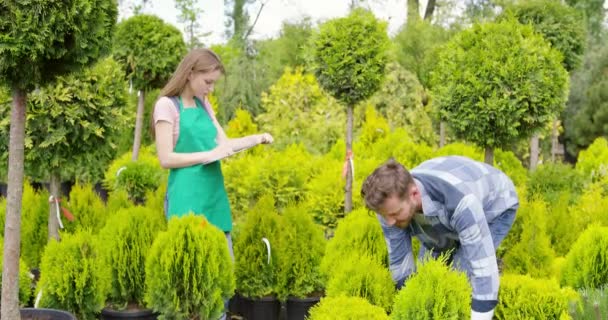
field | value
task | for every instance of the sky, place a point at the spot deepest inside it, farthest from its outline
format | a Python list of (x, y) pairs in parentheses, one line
[(273, 14)]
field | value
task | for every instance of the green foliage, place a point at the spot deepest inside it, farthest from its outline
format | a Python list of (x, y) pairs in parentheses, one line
[(397, 144), (135, 177), (88, 209), (533, 254), (362, 276), (551, 179), (346, 308), (373, 129), (358, 234), (118, 199), (255, 271), (241, 125), (155, 199), (296, 110), (593, 162), (189, 270), (25, 280), (594, 13), (299, 255), (324, 198), (46, 38), (593, 301), (149, 50), (523, 297), (558, 23), (400, 100), (34, 222), (72, 125), (350, 56), (434, 292), (460, 149), (497, 83), (72, 278), (586, 264), (126, 240), (508, 163)]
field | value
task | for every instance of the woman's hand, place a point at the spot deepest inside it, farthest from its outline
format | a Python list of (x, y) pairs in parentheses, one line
[(265, 138)]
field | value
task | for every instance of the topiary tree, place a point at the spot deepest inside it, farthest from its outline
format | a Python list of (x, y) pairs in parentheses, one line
[(71, 276), (150, 51), (497, 83), (346, 308), (349, 62), (434, 292), (189, 270), (587, 260), (40, 40)]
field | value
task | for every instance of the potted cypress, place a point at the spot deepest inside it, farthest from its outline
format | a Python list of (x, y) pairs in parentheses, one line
[(255, 262), (299, 279), (127, 238), (189, 271)]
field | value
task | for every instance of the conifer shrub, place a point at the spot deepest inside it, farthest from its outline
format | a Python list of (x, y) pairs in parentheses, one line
[(433, 292), (324, 198), (586, 264), (551, 179), (126, 240), (357, 234), (155, 199), (362, 276), (34, 224), (117, 200), (524, 297), (88, 209), (593, 304), (299, 255), (25, 278), (593, 162), (508, 163), (346, 308), (72, 276), (255, 270), (189, 271)]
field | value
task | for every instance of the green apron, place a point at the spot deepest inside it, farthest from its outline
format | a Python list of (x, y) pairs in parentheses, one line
[(199, 188)]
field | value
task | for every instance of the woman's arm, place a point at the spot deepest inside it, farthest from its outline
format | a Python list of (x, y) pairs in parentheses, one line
[(169, 159), (241, 143)]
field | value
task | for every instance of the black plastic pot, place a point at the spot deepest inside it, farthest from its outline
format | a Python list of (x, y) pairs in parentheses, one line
[(267, 308), (297, 309), (45, 314), (142, 314)]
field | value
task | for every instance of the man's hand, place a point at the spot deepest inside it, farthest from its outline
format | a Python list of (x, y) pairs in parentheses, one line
[(482, 315)]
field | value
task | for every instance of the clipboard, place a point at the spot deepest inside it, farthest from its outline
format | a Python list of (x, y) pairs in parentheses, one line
[(214, 159)]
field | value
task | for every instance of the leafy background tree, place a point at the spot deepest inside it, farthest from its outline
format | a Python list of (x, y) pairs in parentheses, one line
[(34, 50)]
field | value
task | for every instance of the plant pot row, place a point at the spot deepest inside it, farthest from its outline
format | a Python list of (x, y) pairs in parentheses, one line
[(269, 308)]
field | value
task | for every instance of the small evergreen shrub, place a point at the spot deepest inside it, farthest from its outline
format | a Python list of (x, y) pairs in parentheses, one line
[(34, 224), (72, 276), (299, 256), (362, 276), (433, 292), (241, 125), (508, 163), (256, 274), (155, 199), (88, 209), (189, 270), (551, 179), (357, 234), (593, 304), (346, 308), (25, 278), (593, 162), (586, 264), (117, 200), (523, 297), (324, 199), (126, 240)]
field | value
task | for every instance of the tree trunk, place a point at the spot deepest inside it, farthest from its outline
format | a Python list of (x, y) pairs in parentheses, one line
[(441, 134), (139, 122), (348, 188), (12, 226), (554, 141), (489, 156), (430, 8), (413, 11), (55, 192), (534, 152)]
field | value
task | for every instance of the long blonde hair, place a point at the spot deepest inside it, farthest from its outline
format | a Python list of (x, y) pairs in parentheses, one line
[(201, 60)]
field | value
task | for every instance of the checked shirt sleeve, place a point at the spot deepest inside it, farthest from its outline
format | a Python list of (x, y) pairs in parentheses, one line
[(477, 252), (401, 258)]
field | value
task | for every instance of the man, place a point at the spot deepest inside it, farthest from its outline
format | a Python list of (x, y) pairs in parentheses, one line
[(452, 204)]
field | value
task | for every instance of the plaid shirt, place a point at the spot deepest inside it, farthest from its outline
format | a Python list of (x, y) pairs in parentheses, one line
[(460, 197)]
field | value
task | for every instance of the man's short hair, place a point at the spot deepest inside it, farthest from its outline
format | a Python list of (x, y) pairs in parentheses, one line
[(388, 179)]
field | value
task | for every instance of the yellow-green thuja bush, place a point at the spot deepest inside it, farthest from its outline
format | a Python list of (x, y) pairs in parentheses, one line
[(524, 297), (34, 222), (324, 198), (433, 292), (359, 275), (189, 271), (586, 264), (593, 162), (551, 179), (125, 242), (117, 200), (346, 308), (88, 209), (25, 280), (72, 277), (256, 272), (533, 254), (299, 255), (357, 234)]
